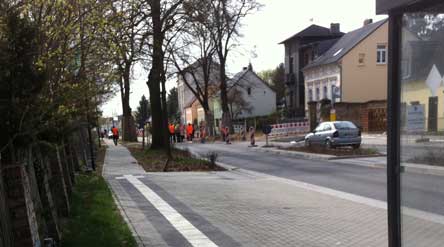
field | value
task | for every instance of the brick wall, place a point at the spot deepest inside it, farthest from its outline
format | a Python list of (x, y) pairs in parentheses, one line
[(370, 116)]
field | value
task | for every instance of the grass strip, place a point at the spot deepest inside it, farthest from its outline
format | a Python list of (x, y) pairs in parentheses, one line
[(95, 219)]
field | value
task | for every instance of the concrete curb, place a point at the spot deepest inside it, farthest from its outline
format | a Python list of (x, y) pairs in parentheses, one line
[(357, 156), (295, 153), (423, 169), (199, 156), (125, 217)]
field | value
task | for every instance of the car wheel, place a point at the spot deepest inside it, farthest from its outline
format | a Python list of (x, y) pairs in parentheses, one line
[(356, 146), (328, 144)]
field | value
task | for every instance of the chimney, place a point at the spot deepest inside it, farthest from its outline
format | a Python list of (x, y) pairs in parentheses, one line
[(368, 21), (335, 28)]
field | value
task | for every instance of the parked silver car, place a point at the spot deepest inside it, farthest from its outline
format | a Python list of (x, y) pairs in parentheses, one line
[(334, 134)]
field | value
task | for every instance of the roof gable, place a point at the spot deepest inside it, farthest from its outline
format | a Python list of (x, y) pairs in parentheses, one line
[(346, 44), (314, 31), (241, 75)]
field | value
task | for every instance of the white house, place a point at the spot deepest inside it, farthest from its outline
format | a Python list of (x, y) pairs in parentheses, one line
[(258, 96), (185, 94), (250, 97)]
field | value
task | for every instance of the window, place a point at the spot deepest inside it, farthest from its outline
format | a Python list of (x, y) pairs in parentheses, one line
[(249, 91), (361, 58), (325, 92), (381, 54), (318, 94), (327, 127), (310, 95), (405, 68), (306, 58)]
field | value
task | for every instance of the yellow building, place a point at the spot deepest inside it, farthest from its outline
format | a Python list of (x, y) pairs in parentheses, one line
[(422, 84)]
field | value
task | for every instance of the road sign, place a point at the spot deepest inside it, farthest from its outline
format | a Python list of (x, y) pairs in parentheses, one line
[(415, 118), (332, 115), (434, 80), (266, 129)]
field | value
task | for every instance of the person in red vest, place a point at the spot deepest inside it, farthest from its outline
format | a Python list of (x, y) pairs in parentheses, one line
[(115, 135), (190, 131), (171, 129)]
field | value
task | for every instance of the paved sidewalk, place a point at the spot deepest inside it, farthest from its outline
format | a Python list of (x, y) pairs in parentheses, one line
[(118, 161), (245, 208)]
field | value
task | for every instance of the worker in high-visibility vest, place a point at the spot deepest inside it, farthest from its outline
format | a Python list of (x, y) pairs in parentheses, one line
[(190, 131), (171, 130)]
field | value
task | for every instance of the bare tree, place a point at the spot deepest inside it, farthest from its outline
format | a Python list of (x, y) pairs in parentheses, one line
[(237, 103), (164, 20), (193, 57), (223, 23), (124, 30), (200, 77)]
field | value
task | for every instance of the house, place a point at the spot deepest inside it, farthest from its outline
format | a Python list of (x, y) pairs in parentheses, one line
[(353, 71), (422, 71), (248, 96), (300, 50), (194, 76)]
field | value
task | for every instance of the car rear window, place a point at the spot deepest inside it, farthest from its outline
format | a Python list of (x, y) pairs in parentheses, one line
[(345, 125)]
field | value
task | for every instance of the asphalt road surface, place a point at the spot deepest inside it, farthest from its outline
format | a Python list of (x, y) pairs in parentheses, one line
[(423, 192)]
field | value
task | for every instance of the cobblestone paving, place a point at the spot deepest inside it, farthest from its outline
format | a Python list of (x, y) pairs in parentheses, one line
[(258, 210), (243, 208)]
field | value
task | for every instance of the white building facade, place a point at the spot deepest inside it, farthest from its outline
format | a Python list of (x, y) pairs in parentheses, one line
[(256, 93), (323, 82)]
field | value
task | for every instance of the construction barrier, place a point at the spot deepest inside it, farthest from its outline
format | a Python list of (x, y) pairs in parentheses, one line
[(286, 129)]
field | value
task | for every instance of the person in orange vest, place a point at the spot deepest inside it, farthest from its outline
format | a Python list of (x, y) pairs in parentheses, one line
[(190, 131), (115, 135), (171, 130)]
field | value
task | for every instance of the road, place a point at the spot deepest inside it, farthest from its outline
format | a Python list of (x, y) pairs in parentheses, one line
[(422, 192)]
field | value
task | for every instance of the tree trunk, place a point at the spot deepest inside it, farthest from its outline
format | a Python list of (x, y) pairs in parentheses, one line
[(226, 118), (209, 120), (143, 138), (156, 113), (128, 125), (155, 79), (166, 139)]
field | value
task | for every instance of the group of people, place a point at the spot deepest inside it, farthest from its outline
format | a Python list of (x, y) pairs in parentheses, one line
[(178, 132), (225, 132)]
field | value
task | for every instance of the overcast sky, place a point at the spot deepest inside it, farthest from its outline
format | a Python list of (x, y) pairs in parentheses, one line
[(263, 30)]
